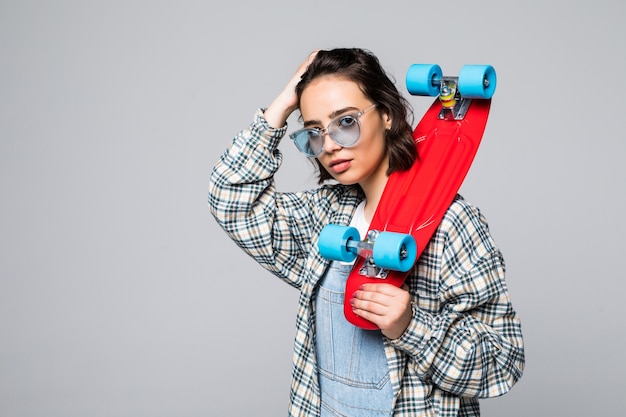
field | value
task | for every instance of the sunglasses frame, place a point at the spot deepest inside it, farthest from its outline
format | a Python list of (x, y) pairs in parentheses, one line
[(323, 132)]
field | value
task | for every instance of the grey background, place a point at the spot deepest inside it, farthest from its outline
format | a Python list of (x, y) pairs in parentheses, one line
[(120, 296)]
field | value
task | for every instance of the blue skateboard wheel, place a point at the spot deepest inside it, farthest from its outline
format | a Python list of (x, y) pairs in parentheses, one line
[(477, 81), (423, 79), (333, 242), (396, 251)]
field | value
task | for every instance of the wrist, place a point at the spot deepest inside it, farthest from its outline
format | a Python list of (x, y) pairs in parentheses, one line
[(278, 112)]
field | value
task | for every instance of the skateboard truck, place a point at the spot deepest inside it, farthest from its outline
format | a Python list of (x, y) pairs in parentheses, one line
[(455, 93), (369, 267), (382, 251), (453, 105)]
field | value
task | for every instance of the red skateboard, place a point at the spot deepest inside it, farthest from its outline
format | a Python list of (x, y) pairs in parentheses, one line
[(414, 201)]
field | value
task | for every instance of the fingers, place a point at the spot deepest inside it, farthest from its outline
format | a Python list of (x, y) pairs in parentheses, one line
[(308, 60), (383, 289), (376, 299), (286, 102), (302, 69), (387, 306)]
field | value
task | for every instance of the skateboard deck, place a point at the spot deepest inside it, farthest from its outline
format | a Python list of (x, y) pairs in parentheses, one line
[(415, 201)]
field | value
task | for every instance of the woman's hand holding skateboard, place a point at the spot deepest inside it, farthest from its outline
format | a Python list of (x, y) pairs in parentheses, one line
[(387, 306)]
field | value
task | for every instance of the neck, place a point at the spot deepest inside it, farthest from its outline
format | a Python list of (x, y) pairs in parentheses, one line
[(373, 192)]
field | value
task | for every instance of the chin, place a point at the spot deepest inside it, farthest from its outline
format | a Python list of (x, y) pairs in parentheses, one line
[(345, 179)]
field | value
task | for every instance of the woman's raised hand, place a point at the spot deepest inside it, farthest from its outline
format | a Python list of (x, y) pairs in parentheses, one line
[(287, 101)]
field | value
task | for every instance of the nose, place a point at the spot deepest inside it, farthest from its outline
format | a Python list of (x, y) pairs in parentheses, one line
[(329, 144)]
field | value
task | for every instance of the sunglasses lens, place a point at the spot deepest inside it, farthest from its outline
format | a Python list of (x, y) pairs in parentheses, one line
[(308, 141), (345, 130)]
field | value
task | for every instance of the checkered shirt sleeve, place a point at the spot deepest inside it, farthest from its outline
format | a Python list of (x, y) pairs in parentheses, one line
[(465, 336)]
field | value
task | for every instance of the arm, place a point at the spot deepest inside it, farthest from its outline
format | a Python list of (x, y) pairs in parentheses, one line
[(464, 334), (271, 227)]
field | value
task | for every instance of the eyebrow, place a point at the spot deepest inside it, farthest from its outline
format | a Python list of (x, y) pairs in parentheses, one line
[(332, 116)]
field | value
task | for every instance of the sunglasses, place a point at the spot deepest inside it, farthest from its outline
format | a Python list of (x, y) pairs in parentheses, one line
[(344, 131)]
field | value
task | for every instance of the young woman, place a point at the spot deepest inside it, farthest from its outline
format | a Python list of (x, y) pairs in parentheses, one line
[(448, 337)]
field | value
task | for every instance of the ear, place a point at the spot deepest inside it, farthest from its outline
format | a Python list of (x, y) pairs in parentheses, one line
[(387, 120)]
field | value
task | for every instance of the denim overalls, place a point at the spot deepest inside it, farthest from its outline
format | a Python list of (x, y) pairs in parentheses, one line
[(352, 367)]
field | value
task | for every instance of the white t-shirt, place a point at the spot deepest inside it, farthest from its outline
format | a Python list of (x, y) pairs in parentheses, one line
[(358, 221)]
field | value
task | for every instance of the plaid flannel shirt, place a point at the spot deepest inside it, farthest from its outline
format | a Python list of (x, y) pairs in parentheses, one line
[(464, 341)]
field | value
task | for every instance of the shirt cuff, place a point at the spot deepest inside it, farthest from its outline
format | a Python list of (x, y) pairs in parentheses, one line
[(269, 135), (417, 335)]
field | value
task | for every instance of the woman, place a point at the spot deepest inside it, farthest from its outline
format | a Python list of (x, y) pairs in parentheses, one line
[(448, 337)]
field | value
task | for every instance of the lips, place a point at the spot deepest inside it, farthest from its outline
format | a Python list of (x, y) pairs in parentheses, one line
[(340, 165)]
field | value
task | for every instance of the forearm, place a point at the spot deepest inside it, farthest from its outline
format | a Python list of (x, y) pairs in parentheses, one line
[(252, 156), (464, 335), (243, 198), (243, 173), (473, 346)]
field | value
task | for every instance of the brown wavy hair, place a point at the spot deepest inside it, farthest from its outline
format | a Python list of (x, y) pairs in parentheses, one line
[(363, 67)]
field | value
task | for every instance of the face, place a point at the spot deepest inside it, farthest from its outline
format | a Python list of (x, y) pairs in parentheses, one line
[(365, 162)]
